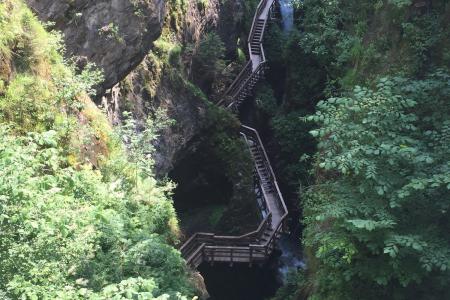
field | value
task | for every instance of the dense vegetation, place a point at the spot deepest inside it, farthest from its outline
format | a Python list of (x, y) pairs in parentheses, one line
[(357, 108), (376, 209), (81, 216), (214, 178)]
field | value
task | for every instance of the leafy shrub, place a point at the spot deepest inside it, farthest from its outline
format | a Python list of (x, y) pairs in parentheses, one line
[(208, 59), (69, 228), (380, 215), (80, 217)]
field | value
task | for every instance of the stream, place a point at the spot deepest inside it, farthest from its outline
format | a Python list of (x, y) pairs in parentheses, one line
[(287, 14)]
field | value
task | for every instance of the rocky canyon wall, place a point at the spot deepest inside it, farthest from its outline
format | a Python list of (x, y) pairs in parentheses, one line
[(119, 37), (114, 34)]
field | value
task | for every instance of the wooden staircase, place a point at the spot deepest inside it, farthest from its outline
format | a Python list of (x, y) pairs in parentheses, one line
[(253, 71), (255, 45), (255, 246), (258, 245)]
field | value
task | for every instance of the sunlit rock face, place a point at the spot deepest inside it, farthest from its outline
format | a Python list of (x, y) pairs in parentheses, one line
[(184, 107), (117, 35), (114, 34)]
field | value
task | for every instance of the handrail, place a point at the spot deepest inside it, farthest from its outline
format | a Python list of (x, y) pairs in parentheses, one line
[(246, 247), (239, 77), (261, 188), (250, 238), (255, 17), (272, 174), (244, 81), (263, 55), (214, 239)]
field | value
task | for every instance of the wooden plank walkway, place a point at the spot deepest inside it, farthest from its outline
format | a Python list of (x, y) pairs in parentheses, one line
[(253, 71), (258, 245)]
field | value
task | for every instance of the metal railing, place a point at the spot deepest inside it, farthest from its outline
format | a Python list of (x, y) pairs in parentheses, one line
[(257, 245), (250, 247), (254, 68)]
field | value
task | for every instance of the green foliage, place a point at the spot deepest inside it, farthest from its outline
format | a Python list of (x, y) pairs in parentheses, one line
[(288, 100), (249, 12), (111, 31), (24, 40), (208, 59), (139, 139), (377, 219), (177, 11), (294, 288), (167, 50), (80, 217), (292, 135), (380, 214), (231, 158), (216, 214), (133, 288), (265, 100), (44, 82), (241, 58), (87, 233), (358, 40)]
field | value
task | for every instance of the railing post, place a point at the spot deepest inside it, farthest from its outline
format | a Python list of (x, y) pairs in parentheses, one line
[(203, 253), (240, 88), (231, 257)]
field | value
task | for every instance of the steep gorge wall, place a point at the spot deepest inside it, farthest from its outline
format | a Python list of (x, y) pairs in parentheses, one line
[(119, 35), (114, 34), (163, 79)]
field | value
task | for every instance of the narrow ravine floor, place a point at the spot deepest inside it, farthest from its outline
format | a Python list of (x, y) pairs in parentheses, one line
[(241, 282)]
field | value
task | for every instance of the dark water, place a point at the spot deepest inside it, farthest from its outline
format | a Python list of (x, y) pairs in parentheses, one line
[(241, 282)]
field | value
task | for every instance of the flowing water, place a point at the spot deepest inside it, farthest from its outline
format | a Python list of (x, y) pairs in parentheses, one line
[(291, 256), (287, 14)]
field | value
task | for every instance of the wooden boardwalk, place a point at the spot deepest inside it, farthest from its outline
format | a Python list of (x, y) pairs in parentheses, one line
[(258, 245), (253, 71)]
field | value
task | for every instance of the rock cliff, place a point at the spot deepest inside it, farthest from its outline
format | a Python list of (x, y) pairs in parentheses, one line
[(114, 34), (119, 35), (162, 80)]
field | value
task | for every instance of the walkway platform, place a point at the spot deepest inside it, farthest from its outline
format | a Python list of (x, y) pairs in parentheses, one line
[(258, 245)]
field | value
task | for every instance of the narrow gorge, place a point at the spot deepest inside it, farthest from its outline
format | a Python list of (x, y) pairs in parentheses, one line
[(224, 149)]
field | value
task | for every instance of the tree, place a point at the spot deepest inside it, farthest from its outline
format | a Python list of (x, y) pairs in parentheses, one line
[(378, 221), (208, 59)]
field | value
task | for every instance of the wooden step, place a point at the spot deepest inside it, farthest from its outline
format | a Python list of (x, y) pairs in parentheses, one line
[(267, 233)]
